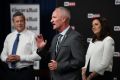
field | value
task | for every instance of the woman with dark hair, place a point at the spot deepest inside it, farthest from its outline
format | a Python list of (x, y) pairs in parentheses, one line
[(99, 57)]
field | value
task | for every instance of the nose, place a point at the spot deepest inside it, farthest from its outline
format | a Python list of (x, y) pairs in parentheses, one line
[(51, 20), (19, 22), (93, 26)]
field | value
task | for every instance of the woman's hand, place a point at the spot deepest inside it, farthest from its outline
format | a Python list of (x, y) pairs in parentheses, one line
[(92, 75), (83, 73)]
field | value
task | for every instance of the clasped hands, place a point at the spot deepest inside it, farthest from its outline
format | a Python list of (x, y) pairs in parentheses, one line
[(13, 58)]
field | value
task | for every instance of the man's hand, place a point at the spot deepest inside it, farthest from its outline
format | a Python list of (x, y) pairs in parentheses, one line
[(17, 57), (52, 65), (10, 58), (13, 58), (40, 41)]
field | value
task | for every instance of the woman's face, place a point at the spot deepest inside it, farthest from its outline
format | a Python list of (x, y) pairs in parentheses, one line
[(96, 26)]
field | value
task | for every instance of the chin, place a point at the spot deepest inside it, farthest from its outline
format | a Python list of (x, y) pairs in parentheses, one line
[(54, 27), (20, 30)]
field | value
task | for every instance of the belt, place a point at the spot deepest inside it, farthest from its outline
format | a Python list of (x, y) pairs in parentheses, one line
[(21, 69)]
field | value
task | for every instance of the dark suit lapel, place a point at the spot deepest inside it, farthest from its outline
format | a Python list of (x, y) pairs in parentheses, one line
[(64, 38)]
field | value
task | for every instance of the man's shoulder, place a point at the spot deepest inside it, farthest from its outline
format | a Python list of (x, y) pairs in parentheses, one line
[(75, 33), (11, 34), (30, 33)]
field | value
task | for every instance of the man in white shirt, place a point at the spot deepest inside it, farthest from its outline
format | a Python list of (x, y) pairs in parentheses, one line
[(20, 57)]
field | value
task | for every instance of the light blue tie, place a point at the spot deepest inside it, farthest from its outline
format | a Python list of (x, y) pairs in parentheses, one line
[(14, 49)]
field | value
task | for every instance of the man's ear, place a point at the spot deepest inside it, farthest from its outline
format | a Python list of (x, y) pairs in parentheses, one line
[(64, 19)]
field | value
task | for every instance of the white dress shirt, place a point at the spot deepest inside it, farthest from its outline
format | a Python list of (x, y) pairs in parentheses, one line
[(64, 32), (100, 54), (26, 48)]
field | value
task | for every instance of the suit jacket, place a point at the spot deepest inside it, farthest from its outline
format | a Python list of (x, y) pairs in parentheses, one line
[(70, 56)]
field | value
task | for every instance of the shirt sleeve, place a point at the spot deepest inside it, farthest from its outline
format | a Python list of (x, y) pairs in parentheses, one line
[(4, 53)]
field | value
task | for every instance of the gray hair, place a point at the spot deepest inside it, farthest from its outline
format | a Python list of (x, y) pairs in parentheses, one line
[(65, 12)]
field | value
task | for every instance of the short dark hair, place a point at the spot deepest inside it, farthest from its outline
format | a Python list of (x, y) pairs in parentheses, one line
[(18, 13), (105, 29)]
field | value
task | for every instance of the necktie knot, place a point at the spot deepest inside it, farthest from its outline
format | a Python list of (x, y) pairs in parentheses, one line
[(59, 37), (17, 38), (18, 34)]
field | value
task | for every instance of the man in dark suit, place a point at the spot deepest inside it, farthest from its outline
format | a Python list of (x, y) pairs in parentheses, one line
[(67, 52)]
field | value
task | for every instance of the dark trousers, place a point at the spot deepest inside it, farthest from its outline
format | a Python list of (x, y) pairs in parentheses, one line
[(20, 74)]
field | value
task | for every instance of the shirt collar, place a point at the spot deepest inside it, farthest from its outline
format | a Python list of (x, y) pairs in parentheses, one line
[(64, 32), (20, 32)]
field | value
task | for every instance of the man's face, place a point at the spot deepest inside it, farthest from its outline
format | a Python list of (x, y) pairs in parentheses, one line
[(56, 20), (19, 23)]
